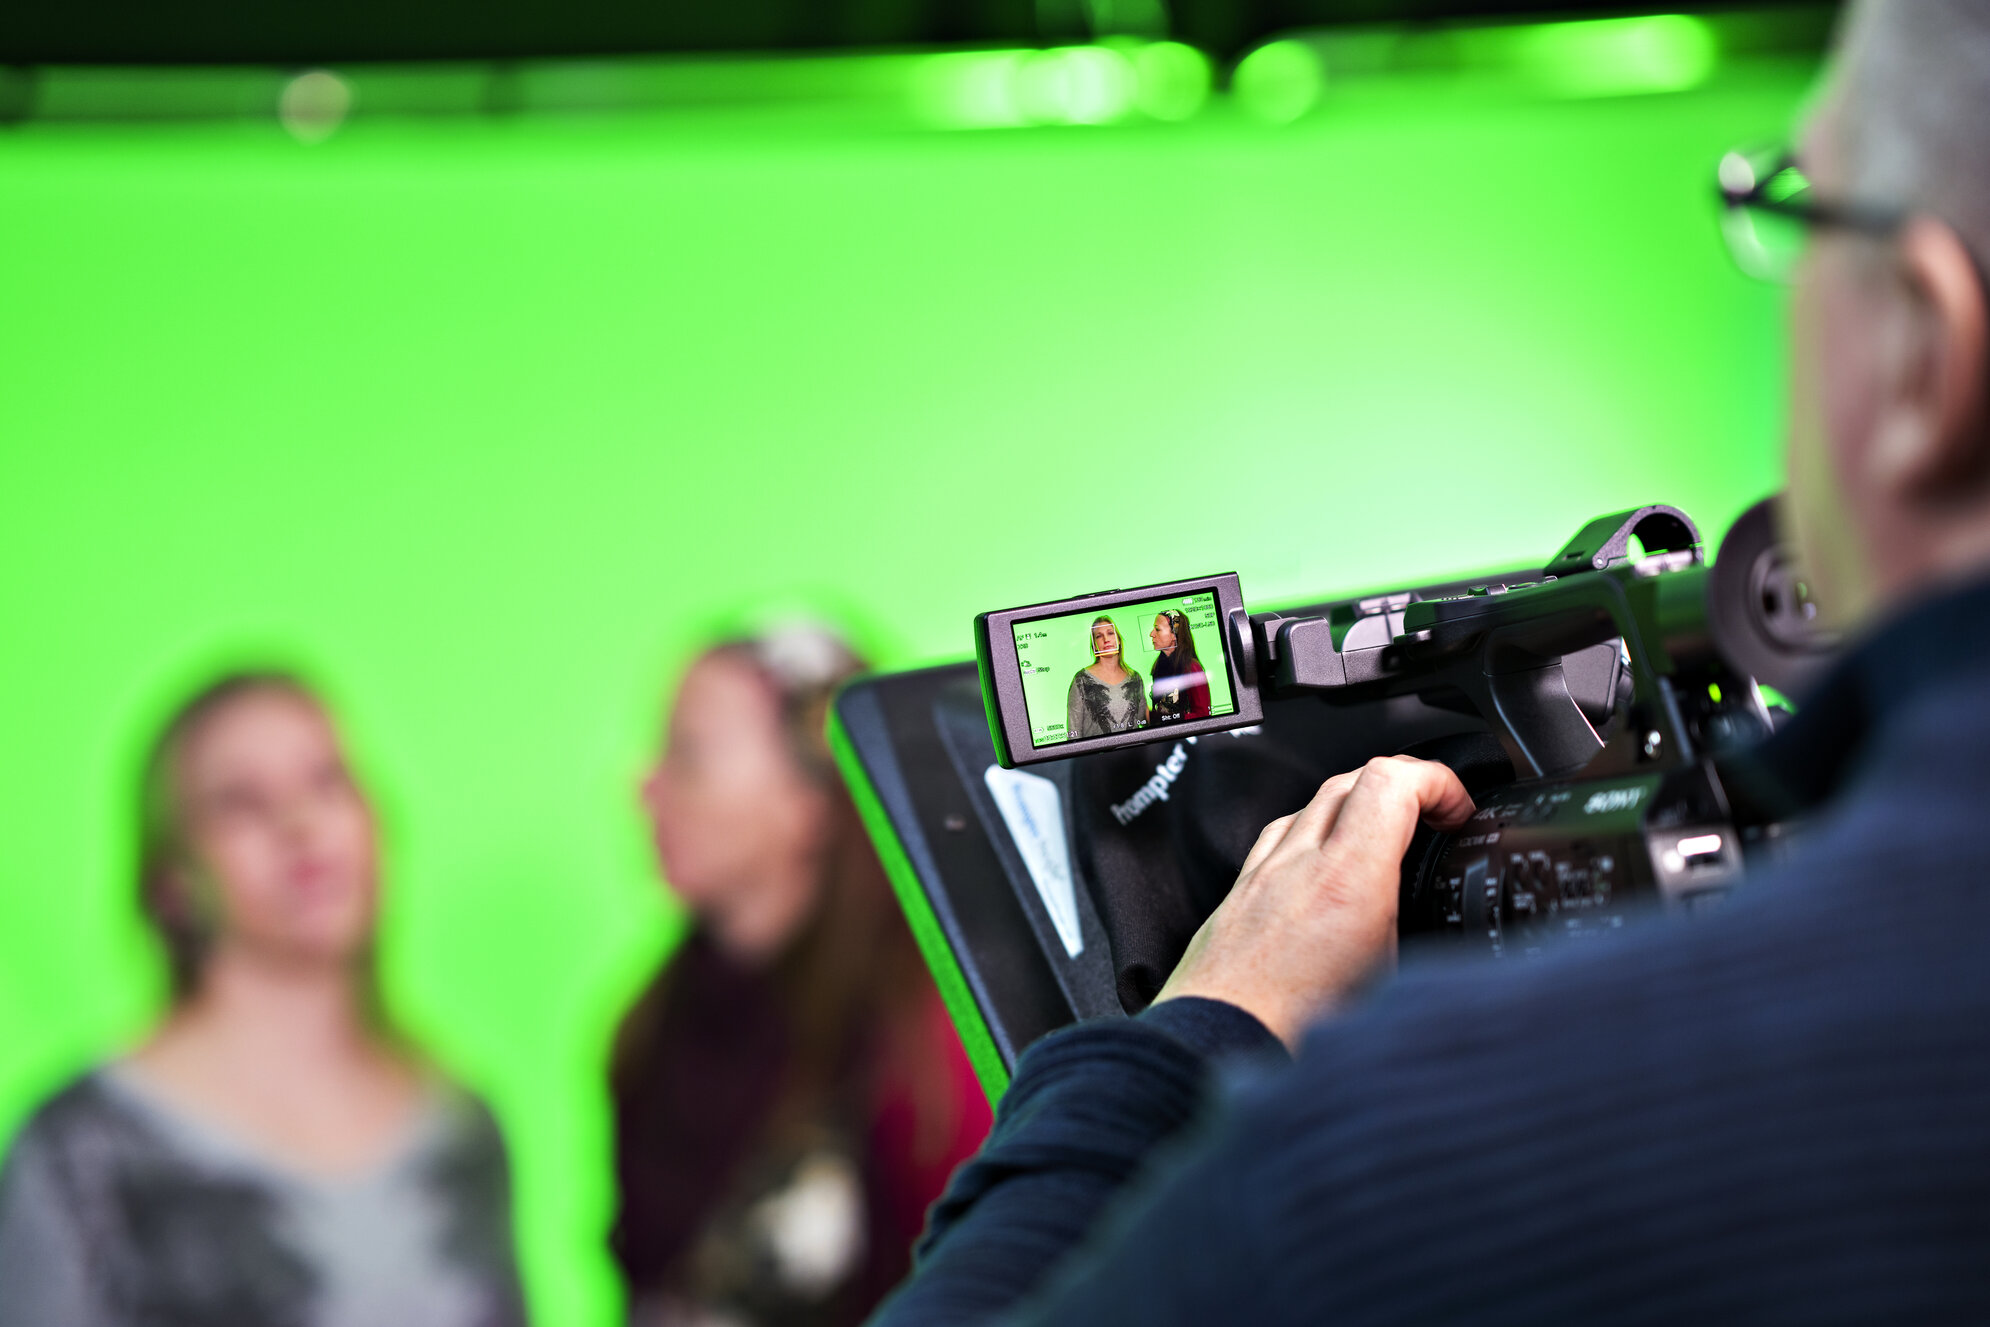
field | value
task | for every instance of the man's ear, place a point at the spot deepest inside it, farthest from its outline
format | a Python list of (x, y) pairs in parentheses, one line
[(1934, 434)]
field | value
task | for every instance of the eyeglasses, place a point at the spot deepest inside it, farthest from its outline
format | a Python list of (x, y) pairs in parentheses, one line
[(1769, 212)]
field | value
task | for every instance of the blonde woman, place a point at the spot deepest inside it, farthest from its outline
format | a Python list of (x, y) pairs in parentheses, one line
[(1106, 697), (270, 1153)]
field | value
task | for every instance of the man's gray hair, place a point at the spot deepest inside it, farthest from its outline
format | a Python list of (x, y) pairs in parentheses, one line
[(1913, 115)]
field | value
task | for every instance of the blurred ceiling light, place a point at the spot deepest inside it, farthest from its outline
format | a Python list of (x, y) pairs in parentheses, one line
[(1618, 57), (313, 105), (1173, 80), (1062, 85), (1279, 81), (969, 90), (1075, 85)]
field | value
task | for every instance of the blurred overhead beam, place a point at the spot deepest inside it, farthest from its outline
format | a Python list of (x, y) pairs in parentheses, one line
[(986, 88), (297, 34), (1113, 79)]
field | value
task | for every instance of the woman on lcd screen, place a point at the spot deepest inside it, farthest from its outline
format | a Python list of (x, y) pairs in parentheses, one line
[(1181, 687), (1106, 697), (271, 1152), (789, 1093)]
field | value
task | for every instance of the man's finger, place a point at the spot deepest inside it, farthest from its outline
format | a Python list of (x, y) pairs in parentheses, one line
[(1442, 802), (1315, 820), (1380, 813)]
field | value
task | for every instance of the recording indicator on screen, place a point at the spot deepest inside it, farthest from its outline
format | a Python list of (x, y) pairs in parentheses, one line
[(1129, 668)]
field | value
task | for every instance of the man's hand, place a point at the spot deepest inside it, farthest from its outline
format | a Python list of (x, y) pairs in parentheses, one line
[(1313, 912)]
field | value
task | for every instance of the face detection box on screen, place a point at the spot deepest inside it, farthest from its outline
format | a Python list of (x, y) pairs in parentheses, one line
[(1122, 668)]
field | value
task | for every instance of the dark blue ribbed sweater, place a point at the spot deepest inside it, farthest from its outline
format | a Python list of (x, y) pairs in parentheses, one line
[(1777, 1113)]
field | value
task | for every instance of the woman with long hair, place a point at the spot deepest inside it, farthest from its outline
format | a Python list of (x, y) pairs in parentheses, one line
[(789, 1093), (1105, 696), (271, 1153), (1181, 687)]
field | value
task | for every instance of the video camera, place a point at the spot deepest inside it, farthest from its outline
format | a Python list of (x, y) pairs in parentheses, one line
[(1056, 829), (1616, 681)]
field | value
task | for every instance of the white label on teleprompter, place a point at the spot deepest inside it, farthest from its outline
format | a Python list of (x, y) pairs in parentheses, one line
[(1034, 813)]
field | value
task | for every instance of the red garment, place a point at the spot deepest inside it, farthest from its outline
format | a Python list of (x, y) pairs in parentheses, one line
[(914, 1156), (1178, 697), (705, 1059)]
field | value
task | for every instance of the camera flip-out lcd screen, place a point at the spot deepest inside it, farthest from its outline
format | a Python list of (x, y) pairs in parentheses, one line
[(1115, 669), (1139, 666)]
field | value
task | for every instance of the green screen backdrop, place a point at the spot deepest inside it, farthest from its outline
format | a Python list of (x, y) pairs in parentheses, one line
[(489, 421)]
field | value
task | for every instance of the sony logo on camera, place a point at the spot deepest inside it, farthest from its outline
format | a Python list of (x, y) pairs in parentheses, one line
[(1612, 799)]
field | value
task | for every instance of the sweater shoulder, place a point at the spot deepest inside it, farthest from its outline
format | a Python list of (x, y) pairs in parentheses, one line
[(83, 1112)]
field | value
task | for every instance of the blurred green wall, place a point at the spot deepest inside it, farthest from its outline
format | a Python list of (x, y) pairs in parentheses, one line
[(489, 419)]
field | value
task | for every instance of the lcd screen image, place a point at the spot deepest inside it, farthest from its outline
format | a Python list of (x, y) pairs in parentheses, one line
[(1135, 666)]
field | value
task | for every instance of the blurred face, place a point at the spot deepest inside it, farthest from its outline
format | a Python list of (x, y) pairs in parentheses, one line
[(1105, 640), (1163, 634), (282, 848), (732, 814)]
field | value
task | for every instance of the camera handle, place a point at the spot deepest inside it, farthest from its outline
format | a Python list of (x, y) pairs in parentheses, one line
[(1501, 647)]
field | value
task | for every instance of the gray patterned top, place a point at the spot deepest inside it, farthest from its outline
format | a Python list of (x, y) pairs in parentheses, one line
[(119, 1209), (1093, 709)]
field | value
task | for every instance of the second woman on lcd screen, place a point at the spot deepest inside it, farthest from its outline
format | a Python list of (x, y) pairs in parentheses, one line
[(1181, 687)]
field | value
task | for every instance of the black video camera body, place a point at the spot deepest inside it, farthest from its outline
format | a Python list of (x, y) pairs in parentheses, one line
[(1614, 681)]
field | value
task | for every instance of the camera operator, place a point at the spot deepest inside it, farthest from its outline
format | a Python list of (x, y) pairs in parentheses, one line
[(1779, 1112)]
